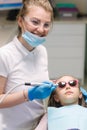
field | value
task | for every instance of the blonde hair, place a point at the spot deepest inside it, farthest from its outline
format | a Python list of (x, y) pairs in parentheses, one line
[(28, 3), (45, 4)]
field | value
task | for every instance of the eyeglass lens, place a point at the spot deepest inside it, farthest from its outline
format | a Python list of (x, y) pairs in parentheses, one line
[(36, 22), (72, 83)]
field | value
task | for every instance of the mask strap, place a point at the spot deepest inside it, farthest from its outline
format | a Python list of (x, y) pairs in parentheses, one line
[(23, 25)]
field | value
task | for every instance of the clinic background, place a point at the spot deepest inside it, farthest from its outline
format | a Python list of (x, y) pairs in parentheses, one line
[(66, 43)]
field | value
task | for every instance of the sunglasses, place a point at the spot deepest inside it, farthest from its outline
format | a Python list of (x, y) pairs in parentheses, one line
[(71, 83)]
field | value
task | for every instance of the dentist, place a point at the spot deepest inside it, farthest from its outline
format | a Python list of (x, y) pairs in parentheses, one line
[(22, 60)]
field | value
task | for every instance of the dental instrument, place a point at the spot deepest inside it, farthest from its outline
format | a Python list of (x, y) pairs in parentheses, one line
[(26, 83)]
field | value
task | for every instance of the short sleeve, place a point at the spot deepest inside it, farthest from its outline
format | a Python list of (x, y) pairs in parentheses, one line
[(4, 68)]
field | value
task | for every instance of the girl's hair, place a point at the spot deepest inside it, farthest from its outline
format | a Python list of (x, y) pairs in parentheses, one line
[(52, 102), (45, 4)]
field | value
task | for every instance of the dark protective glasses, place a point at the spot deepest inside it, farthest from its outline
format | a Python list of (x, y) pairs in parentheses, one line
[(71, 83)]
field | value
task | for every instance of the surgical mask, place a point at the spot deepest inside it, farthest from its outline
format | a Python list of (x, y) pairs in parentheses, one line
[(33, 39)]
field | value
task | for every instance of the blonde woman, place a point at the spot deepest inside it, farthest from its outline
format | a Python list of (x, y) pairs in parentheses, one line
[(22, 60)]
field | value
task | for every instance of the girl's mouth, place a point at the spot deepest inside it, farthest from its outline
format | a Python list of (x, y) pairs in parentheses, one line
[(69, 93)]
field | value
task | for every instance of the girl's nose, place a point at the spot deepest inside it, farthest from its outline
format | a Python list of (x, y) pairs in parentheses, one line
[(67, 86)]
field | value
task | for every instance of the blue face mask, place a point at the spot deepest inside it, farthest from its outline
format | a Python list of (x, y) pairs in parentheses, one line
[(33, 39)]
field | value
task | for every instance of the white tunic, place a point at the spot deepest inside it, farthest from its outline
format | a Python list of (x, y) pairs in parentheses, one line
[(20, 66)]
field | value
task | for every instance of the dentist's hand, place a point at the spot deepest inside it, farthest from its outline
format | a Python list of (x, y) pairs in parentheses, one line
[(41, 91)]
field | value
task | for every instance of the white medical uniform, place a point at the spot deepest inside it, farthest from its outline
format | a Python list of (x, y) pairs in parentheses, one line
[(19, 66), (73, 117)]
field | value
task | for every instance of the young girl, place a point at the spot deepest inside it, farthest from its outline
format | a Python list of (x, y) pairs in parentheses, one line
[(66, 107)]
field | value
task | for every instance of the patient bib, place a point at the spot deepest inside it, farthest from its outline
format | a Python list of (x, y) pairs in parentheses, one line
[(73, 117)]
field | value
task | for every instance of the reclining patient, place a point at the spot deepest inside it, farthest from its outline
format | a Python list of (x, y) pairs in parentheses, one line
[(66, 107)]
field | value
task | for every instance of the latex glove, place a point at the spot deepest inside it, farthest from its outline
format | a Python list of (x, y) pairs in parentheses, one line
[(41, 91), (84, 92)]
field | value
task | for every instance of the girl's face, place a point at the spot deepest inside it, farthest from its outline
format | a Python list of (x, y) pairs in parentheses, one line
[(68, 94), (37, 21)]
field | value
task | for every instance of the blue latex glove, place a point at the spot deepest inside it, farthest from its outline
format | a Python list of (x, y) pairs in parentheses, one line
[(41, 91), (84, 92)]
